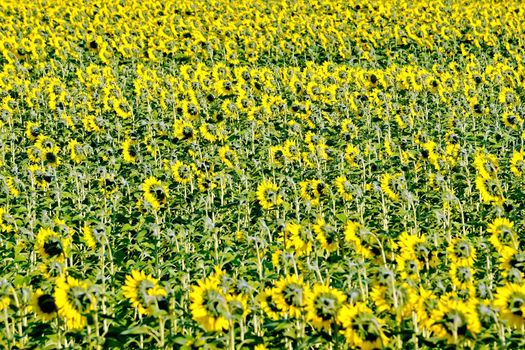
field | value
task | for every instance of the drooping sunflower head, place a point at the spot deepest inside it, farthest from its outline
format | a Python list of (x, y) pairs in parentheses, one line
[(454, 319), (130, 150), (183, 173), (462, 252), (502, 235)]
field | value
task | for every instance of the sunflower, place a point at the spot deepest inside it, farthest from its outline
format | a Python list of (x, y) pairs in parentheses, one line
[(88, 237), (390, 185), (5, 227), (327, 235), (33, 130), (44, 305), (462, 276), (268, 195), (461, 252), (510, 301), (185, 131), (143, 292), (237, 306), (397, 300), (454, 319), (511, 120), (502, 236), (182, 173), (228, 156), (290, 296), (517, 163), (512, 264), (322, 305), (355, 233), (52, 245), (344, 188), (311, 191), (129, 150), (209, 306), (490, 190), (267, 304), (107, 184), (77, 152), (486, 164), (74, 300), (361, 328), (155, 193)]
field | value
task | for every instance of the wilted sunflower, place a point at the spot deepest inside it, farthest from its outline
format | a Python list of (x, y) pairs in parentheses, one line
[(155, 193), (144, 293), (322, 306), (44, 305), (52, 245), (74, 301)]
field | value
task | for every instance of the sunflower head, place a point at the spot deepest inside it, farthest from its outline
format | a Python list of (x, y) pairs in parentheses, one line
[(44, 305)]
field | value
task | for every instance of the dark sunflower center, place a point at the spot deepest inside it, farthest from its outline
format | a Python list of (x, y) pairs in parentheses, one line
[(187, 132), (159, 194), (51, 157), (53, 247), (46, 303)]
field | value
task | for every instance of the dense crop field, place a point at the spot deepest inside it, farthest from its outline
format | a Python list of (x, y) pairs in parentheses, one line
[(262, 174)]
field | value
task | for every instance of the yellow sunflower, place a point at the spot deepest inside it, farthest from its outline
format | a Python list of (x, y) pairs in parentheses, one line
[(290, 296), (74, 301), (510, 301), (44, 305), (52, 245), (209, 306), (268, 195), (144, 293), (155, 193), (322, 306), (361, 328)]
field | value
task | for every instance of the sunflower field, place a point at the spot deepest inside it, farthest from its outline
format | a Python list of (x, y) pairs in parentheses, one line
[(262, 174)]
